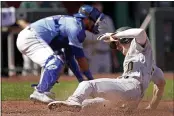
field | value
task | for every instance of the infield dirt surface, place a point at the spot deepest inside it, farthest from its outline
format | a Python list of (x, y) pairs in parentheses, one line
[(28, 108)]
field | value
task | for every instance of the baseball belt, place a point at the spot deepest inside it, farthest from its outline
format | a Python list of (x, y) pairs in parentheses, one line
[(141, 85)]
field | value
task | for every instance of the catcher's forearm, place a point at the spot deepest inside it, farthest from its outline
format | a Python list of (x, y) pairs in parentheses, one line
[(83, 63), (74, 68), (157, 95)]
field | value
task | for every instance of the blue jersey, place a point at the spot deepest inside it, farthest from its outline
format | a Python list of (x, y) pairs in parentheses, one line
[(60, 31)]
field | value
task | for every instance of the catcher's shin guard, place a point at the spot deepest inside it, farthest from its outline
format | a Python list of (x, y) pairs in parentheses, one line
[(50, 74)]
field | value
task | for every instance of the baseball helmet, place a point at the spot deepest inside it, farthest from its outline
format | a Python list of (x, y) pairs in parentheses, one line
[(87, 11), (122, 40)]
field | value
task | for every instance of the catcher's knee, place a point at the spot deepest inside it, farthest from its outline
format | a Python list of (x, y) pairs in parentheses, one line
[(50, 73), (53, 62)]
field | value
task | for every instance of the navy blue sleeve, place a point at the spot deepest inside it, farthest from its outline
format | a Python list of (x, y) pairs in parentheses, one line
[(77, 52), (81, 36), (73, 64), (74, 68)]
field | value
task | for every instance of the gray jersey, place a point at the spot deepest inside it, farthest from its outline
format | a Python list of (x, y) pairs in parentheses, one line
[(139, 62)]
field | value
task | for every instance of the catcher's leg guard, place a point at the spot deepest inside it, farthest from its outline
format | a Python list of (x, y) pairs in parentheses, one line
[(50, 74)]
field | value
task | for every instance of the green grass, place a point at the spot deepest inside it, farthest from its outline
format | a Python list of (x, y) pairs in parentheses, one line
[(168, 91), (22, 90)]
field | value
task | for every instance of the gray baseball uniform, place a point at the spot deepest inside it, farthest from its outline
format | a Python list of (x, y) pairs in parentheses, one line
[(139, 70)]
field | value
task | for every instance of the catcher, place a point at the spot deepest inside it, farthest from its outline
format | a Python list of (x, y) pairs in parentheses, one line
[(139, 70), (41, 39)]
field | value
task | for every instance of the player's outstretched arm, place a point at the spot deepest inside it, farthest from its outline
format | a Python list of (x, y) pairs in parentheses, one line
[(107, 37), (74, 68), (84, 66), (158, 90), (137, 33), (82, 61)]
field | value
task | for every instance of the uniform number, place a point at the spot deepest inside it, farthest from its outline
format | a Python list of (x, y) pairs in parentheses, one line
[(130, 66)]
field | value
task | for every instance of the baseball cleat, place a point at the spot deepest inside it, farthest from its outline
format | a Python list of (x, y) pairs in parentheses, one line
[(65, 106), (45, 97)]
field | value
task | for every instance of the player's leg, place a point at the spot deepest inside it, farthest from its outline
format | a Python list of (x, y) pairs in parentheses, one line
[(108, 88), (115, 90), (94, 102), (49, 75), (35, 69), (39, 52), (26, 65)]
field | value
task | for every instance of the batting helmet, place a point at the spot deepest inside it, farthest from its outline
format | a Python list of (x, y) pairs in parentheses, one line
[(124, 40), (92, 13)]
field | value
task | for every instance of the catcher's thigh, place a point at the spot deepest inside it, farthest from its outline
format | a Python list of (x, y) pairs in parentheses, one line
[(33, 47)]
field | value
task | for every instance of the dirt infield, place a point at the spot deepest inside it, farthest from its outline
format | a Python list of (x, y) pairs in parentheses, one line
[(28, 108)]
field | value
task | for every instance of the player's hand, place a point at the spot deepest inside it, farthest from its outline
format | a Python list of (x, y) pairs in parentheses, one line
[(107, 37), (149, 108)]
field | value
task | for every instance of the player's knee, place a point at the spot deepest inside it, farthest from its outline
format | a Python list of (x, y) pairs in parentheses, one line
[(53, 62), (85, 83)]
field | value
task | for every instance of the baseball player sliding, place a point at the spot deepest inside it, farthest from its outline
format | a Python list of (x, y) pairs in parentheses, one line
[(139, 70), (41, 39)]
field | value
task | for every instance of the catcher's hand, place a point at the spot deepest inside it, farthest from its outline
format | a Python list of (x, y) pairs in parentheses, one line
[(107, 37)]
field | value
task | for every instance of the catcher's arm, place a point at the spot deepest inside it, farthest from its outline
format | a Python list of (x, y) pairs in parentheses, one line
[(74, 67), (82, 61), (84, 66), (158, 90)]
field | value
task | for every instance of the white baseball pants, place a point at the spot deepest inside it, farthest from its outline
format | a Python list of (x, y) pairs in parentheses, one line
[(33, 46), (109, 89)]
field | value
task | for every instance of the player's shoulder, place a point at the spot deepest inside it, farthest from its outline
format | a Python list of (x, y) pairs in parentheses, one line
[(107, 17), (74, 25)]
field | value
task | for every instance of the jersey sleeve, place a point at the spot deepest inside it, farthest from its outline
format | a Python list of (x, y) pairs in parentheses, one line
[(76, 36), (137, 33), (74, 51), (157, 75), (77, 52)]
